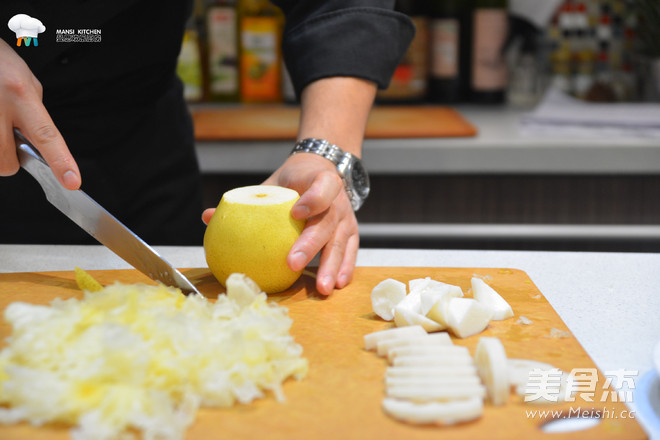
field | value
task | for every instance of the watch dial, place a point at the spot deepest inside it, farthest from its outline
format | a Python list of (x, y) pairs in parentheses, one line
[(360, 180)]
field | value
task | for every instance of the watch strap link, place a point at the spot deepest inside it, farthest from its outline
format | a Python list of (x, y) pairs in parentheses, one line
[(335, 155)]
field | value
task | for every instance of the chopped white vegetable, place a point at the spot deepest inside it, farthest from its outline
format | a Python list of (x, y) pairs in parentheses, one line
[(490, 359), (467, 317), (428, 350), (428, 392), (143, 358), (431, 371), (440, 338), (403, 316), (242, 290), (446, 380), (371, 340), (523, 320), (443, 413), (485, 294), (385, 296), (432, 361)]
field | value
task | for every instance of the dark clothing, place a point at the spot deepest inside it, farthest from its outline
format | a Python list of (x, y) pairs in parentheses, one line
[(118, 103)]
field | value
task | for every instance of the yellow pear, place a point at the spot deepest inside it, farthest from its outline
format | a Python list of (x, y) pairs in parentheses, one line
[(251, 232)]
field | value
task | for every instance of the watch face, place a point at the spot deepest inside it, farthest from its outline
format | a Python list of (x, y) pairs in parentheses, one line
[(360, 180)]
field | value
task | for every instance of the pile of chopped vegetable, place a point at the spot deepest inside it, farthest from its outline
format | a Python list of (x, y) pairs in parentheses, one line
[(141, 357)]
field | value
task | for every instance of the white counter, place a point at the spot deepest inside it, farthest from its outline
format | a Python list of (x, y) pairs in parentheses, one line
[(610, 301), (499, 148)]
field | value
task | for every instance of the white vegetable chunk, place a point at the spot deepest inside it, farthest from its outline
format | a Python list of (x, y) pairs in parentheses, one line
[(431, 371), (438, 380), (385, 296), (443, 413), (432, 361), (428, 350), (434, 303), (428, 392), (490, 359), (405, 316), (424, 284), (467, 317), (242, 289), (441, 338), (485, 294), (371, 340)]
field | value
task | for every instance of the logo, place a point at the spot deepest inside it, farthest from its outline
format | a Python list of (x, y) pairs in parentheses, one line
[(27, 29)]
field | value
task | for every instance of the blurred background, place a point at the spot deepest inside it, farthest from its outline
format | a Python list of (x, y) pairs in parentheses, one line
[(509, 124)]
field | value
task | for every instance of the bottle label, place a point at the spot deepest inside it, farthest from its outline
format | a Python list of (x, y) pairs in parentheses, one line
[(260, 61), (489, 71), (409, 80), (445, 48), (223, 50), (189, 67)]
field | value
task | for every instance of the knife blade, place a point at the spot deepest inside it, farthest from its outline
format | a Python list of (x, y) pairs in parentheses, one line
[(97, 221)]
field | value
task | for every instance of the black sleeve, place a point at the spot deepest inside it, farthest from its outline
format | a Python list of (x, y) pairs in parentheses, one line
[(359, 38)]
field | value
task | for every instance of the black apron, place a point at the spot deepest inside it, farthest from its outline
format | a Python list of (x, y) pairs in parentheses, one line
[(119, 106)]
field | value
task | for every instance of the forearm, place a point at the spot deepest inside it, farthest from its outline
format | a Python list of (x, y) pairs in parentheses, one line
[(336, 109)]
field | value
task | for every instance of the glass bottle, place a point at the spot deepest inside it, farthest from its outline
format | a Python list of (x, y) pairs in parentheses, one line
[(222, 50), (260, 24), (490, 28), (450, 49)]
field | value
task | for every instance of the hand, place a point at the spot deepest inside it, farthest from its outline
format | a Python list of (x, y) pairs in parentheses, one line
[(331, 224), (21, 107)]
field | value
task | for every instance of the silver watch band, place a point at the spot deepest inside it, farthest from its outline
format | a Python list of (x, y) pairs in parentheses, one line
[(344, 162), (321, 147)]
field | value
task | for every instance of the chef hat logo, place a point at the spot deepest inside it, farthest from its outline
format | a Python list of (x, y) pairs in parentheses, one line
[(27, 29)]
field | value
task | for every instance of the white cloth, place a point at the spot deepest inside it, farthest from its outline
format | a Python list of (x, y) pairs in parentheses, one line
[(561, 115)]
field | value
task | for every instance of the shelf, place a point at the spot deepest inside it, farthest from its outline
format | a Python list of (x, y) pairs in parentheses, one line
[(497, 148)]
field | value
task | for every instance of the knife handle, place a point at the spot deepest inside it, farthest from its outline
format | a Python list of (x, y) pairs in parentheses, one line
[(23, 145), (33, 162)]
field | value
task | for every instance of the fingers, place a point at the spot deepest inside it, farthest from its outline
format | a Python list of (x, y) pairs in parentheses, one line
[(38, 127), (331, 227), (207, 214), (8, 160), (318, 231), (338, 260), (334, 233), (319, 196), (21, 107)]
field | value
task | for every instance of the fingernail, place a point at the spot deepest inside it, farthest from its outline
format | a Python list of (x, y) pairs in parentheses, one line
[(298, 260), (70, 179), (302, 211), (328, 282), (342, 280)]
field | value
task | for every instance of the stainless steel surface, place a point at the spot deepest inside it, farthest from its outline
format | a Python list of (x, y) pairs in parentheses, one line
[(98, 222)]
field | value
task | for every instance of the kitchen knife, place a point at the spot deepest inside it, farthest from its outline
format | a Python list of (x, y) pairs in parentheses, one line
[(98, 222)]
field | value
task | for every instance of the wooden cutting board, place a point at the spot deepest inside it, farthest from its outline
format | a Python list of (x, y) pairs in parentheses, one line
[(279, 122), (341, 397)]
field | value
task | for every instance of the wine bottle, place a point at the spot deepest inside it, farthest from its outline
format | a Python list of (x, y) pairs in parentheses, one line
[(490, 28), (189, 63), (222, 51), (409, 82), (261, 26), (449, 54)]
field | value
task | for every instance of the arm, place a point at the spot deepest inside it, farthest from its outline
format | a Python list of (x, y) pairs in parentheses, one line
[(21, 107)]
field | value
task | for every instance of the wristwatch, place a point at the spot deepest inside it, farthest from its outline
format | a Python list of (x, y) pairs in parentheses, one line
[(349, 167)]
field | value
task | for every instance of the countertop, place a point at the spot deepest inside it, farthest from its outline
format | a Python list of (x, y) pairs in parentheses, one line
[(622, 290), (498, 148)]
